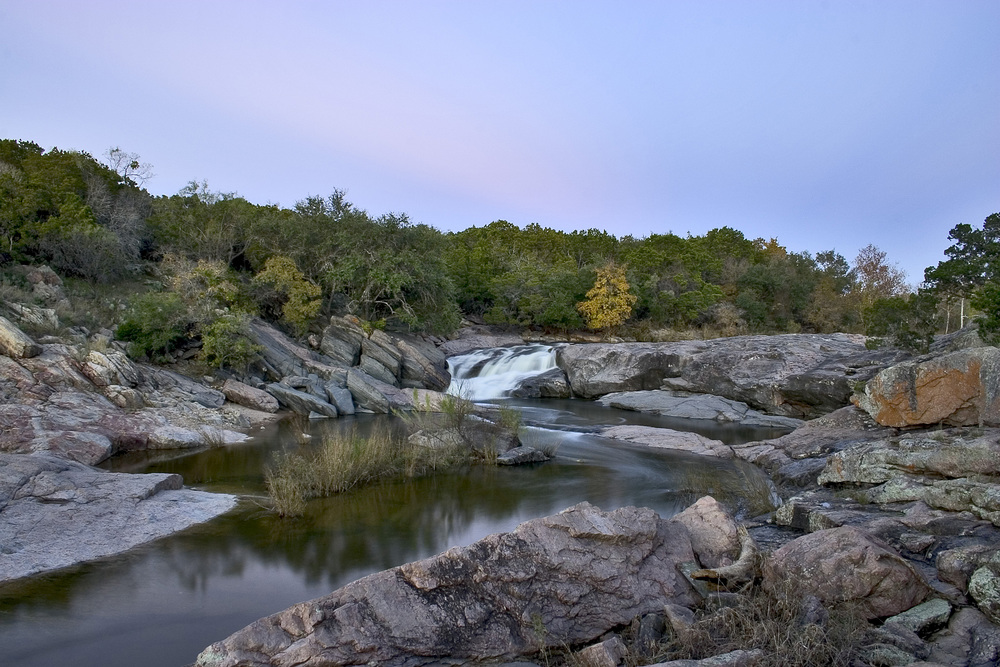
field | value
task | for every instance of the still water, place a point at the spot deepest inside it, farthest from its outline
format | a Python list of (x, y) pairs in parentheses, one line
[(160, 604)]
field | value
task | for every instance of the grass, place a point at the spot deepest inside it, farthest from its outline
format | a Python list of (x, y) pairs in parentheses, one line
[(345, 461)]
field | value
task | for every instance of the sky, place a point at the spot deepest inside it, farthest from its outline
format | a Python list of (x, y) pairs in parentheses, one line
[(826, 125)]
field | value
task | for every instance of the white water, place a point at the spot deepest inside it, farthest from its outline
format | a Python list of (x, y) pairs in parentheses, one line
[(495, 372)]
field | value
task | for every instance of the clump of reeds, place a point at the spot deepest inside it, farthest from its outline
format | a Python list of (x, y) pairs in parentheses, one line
[(345, 461)]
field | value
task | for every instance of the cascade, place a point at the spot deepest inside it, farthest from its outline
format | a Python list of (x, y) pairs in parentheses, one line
[(495, 372)]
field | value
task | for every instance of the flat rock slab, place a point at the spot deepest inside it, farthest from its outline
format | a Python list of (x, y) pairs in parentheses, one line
[(55, 513), (665, 438), (687, 405), (559, 580)]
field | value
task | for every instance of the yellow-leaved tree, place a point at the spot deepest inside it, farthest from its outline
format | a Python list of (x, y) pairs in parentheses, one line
[(299, 298), (609, 302)]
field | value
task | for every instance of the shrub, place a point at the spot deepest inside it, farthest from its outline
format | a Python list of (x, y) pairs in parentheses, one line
[(226, 341), (157, 324)]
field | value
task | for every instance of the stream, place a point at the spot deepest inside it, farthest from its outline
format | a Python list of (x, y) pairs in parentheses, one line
[(162, 603)]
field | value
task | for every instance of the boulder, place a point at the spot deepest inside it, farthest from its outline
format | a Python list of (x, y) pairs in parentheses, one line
[(186, 389), (422, 364), (559, 580), (301, 402), (250, 397), (281, 356), (980, 498), (714, 535), (961, 388), (665, 438), (685, 405), (342, 340), (111, 367), (608, 653), (377, 370), (34, 315), (845, 564), (369, 393), (984, 588), (793, 375), (925, 618), (521, 455), (57, 513), (16, 344), (125, 398), (381, 347), (340, 397), (550, 384)]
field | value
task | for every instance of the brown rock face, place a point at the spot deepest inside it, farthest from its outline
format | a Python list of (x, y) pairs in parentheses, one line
[(559, 580), (959, 389), (844, 564)]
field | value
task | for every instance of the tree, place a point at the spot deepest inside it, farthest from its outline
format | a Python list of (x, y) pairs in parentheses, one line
[(876, 278), (609, 302)]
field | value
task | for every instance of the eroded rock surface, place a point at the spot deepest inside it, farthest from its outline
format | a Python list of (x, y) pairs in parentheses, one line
[(55, 513), (559, 580)]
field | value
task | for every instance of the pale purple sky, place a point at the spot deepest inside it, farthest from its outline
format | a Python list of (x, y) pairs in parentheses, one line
[(824, 124)]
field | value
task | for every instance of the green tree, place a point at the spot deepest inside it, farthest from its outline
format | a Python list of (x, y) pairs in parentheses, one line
[(288, 289)]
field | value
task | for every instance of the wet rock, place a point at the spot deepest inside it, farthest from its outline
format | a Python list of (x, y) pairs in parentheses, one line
[(844, 564), (16, 344), (665, 438), (301, 402), (685, 405), (58, 513), (550, 384), (714, 535), (959, 389), (247, 396), (560, 580)]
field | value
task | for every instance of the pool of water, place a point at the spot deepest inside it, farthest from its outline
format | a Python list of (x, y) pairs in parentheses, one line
[(160, 604)]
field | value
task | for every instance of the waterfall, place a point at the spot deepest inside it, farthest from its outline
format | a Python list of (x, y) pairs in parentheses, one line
[(495, 372)]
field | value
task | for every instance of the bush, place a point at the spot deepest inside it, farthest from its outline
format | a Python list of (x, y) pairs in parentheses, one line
[(226, 341), (157, 324)]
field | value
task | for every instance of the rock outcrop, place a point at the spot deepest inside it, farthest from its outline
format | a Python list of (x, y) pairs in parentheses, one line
[(16, 344), (665, 438), (58, 513), (961, 388), (555, 581), (686, 405), (794, 375)]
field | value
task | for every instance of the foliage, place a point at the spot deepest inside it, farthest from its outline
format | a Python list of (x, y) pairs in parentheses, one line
[(609, 302), (157, 323), (298, 297), (226, 341), (876, 278), (906, 322)]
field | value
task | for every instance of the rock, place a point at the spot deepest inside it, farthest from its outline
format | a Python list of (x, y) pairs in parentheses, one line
[(608, 653), (522, 455), (925, 618), (957, 495), (375, 369), (665, 438), (35, 315), (111, 367), (380, 347), (477, 434), (816, 438), (984, 588), (942, 454), (845, 564), (714, 536), (793, 375), (961, 388), (559, 580), (300, 402), (245, 395), (685, 405), (283, 357), (970, 639), (651, 629), (57, 513), (176, 437), (956, 565), (368, 392), (340, 398), (477, 337), (16, 344), (739, 658), (550, 384), (125, 398), (342, 340), (597, 369), (182, 386), (422, 364)]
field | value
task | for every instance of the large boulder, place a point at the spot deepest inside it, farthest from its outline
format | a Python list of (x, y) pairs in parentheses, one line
[(281, 356), (714, 535), (846, 565), (58, 513), (342, 340), (422, 364), (550, 384), (301, 402), (793, 375), (16, 344), (250, 397), (560, 580), (961, 388)]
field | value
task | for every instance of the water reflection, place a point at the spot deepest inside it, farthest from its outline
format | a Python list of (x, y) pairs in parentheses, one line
[(161, 603)]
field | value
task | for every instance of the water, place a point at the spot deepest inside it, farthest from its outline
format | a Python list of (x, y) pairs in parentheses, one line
[(160, 604), (494, 372)]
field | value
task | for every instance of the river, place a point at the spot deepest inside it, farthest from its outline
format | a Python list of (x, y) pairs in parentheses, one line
[(160, 604)]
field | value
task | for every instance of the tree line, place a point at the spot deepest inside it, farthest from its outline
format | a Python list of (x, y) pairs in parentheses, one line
[(219, 259)]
